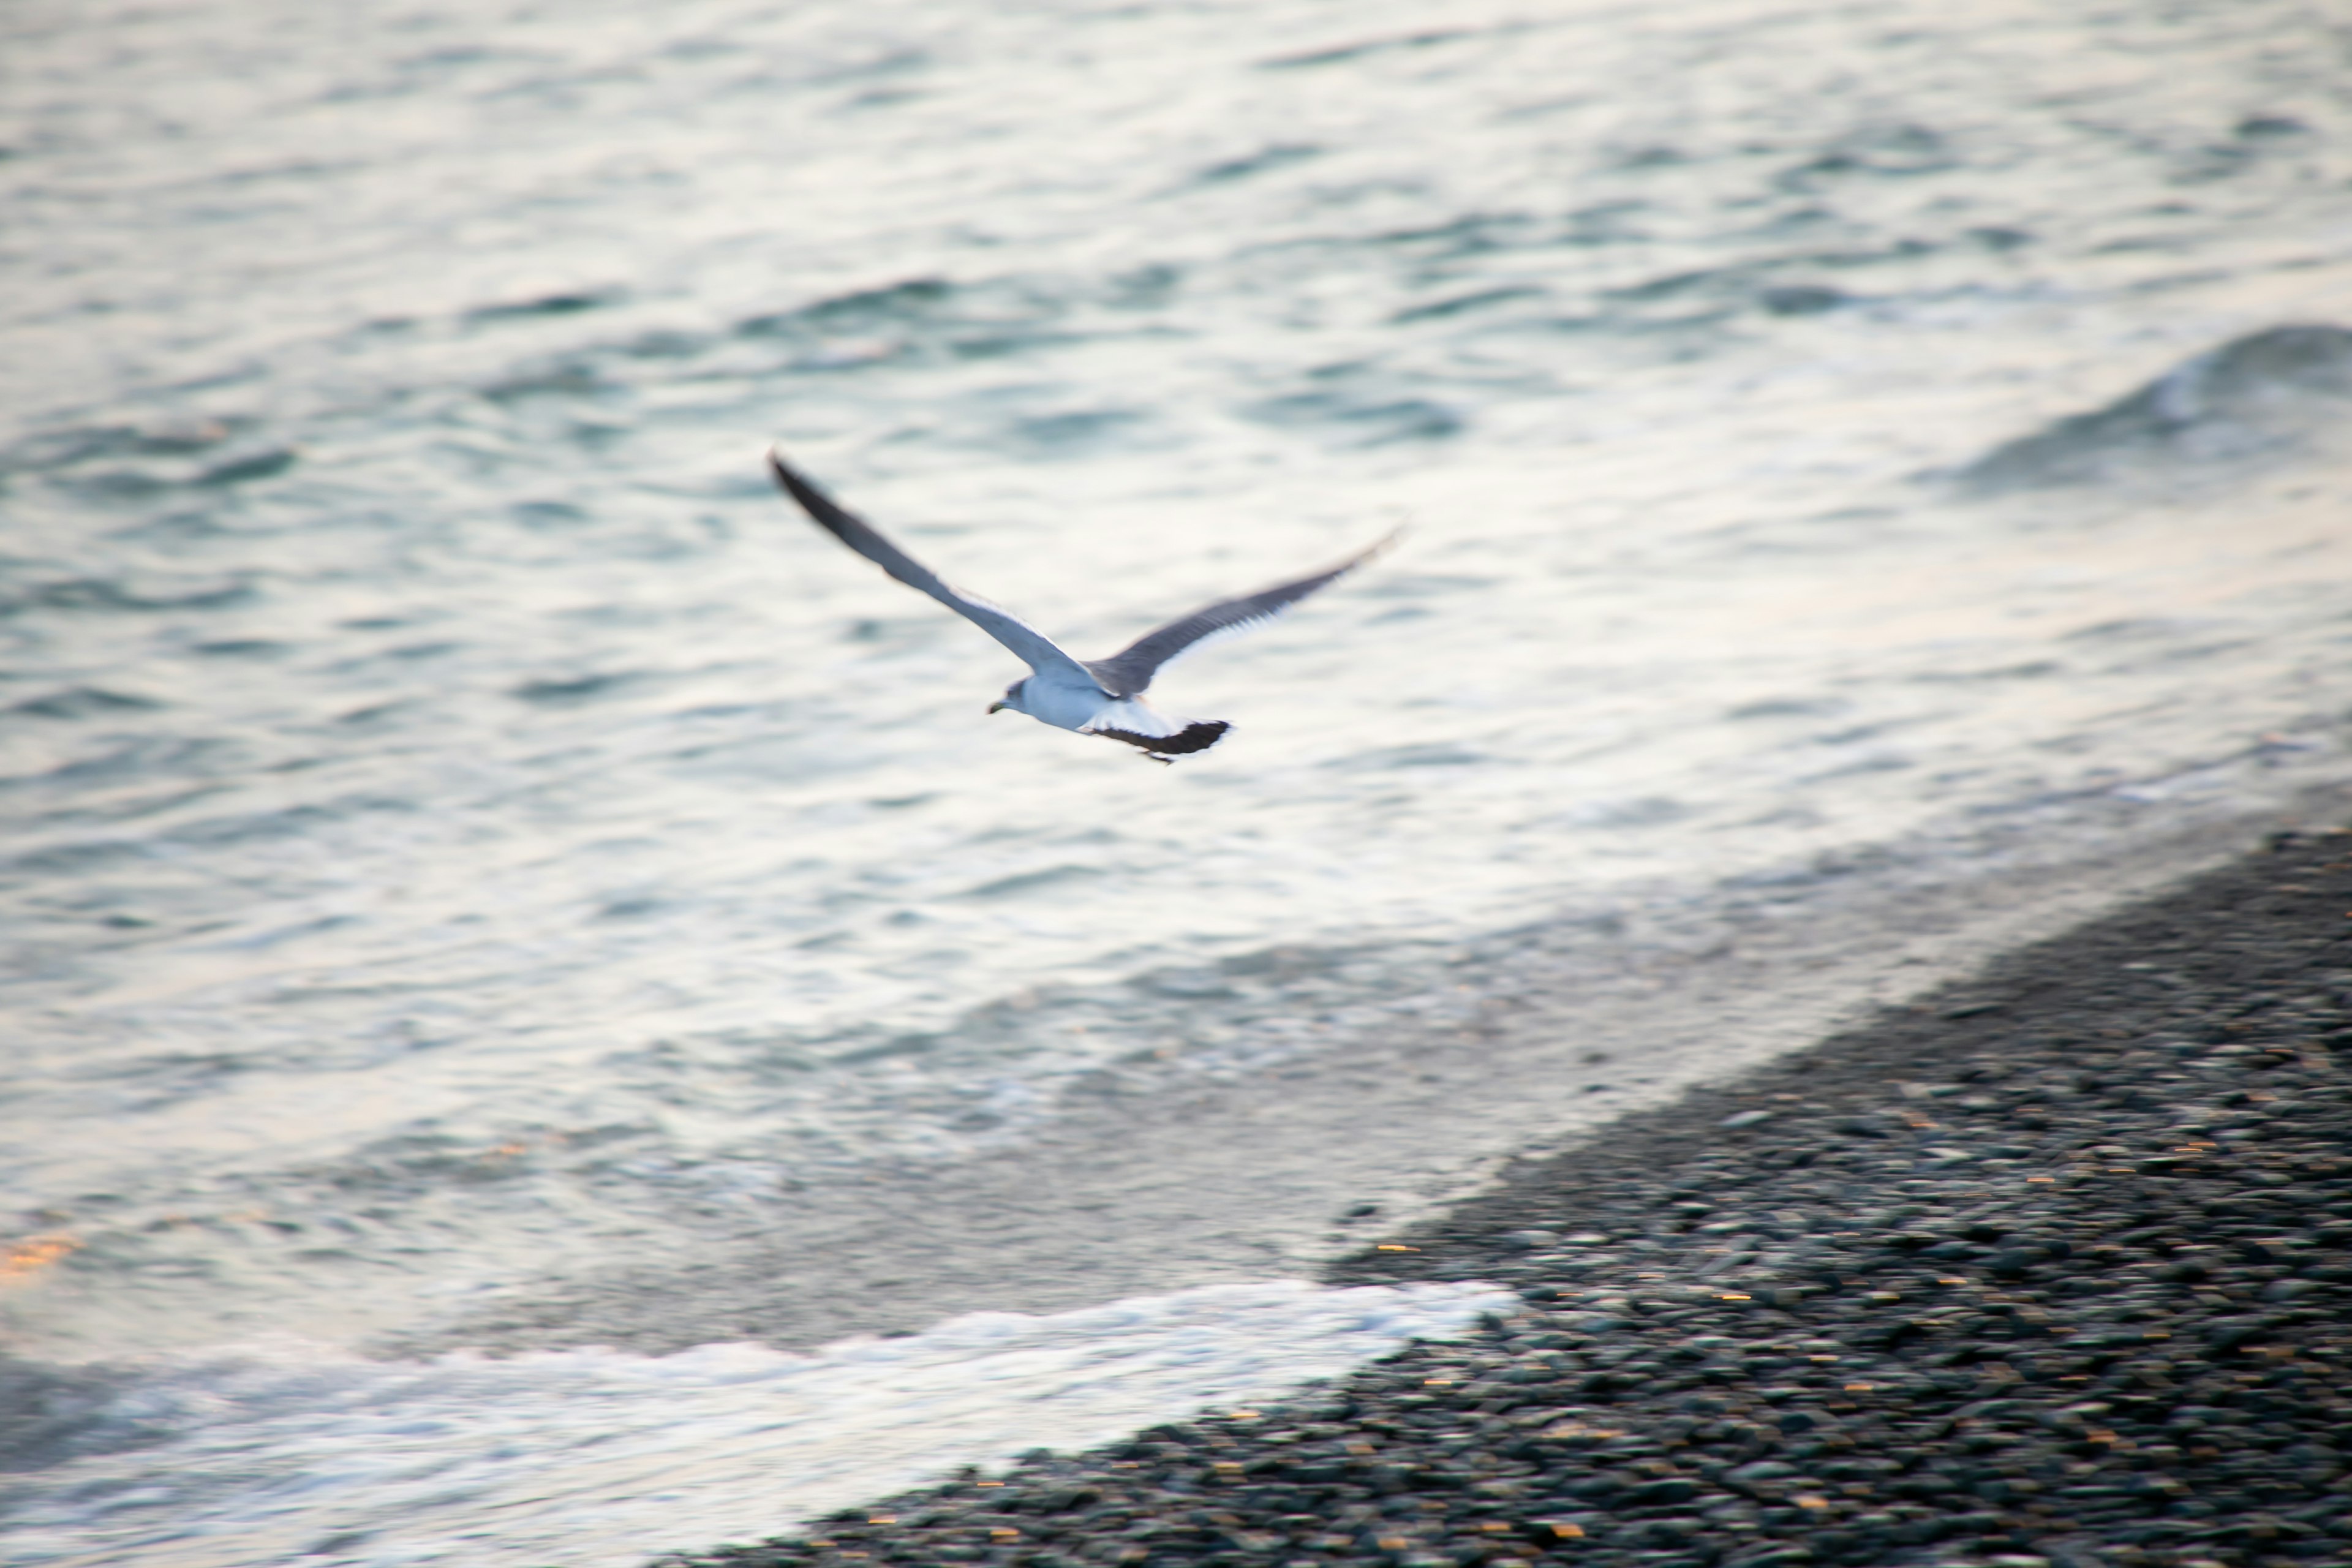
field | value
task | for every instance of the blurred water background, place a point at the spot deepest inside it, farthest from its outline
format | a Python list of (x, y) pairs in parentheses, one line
[(461, 831)]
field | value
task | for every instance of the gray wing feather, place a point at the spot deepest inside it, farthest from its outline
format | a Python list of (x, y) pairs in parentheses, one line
[(1127, 672), (1035, 648)]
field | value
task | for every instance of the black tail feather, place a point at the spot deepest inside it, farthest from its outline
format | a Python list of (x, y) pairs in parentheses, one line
[(1198, 737)]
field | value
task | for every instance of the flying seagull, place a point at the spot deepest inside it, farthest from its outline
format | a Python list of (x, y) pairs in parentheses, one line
[(1094, 697)]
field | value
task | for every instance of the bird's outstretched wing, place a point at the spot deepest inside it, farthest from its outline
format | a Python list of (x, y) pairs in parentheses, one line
[(1127, 672), (1035, 648)]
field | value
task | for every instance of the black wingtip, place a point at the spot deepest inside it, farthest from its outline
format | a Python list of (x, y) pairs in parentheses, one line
[(822, 509), (796, 485), (1195, 737)]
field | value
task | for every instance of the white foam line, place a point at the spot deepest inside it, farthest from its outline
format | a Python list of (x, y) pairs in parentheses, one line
[(595, 1457)]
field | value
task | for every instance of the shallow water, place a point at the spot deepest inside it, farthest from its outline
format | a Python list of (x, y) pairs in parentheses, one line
[(580, 1456), (463, 831)]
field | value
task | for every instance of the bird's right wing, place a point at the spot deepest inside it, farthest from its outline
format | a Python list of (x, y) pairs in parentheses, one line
[(1128, 671), (1035, 648)]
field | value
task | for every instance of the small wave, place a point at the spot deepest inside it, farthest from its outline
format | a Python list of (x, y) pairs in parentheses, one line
[(83, 702), (1426, 755), (241, 648), (136, 484), (281, 822), (908, 299), (1340, 54), (556, 691), (565, 304), (162, 756), (50, 1415), (1074, 427), (1372, 422), (2252, 396), (1801, 299), (1788, 708), (569, 380), (1881, 150), (930, 320), (1032, 881), (1279, 155), (1641, 811), (71, 445), (103, 593), (599, 1457), (250, 470), (2031, 669), (1458, 304), (77, 858)]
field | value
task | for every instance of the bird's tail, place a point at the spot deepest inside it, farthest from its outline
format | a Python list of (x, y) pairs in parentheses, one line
[(1197, 736)]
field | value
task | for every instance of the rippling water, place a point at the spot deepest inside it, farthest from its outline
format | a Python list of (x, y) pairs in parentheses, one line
[(460, 827)]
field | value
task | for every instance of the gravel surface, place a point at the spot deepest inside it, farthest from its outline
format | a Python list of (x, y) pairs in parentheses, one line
[(2049, 1268)]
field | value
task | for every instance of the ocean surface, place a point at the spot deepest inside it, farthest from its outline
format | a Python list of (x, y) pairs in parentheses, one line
[(461, 835)]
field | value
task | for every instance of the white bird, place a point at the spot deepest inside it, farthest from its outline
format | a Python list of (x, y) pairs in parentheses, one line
[(1093, 697)]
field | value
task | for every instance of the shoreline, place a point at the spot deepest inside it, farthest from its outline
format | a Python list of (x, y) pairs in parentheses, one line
[(1154, 1176), (2047, 1263)]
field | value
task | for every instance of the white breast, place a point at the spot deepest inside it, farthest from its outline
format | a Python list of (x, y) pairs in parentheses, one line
[(1061, 702)]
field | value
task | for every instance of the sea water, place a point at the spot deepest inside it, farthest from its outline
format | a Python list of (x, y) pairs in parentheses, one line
[(463, 832), (297, 1453)]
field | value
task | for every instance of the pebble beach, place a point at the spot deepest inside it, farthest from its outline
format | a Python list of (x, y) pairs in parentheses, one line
[(2047, 1267)]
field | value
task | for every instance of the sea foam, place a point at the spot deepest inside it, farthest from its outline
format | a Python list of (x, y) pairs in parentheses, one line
[(596, 1457)]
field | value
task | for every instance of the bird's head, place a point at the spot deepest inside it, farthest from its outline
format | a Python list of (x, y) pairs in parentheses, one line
[(1012, 698)]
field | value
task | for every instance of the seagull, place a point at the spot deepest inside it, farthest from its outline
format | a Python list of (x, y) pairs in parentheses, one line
[(1094, 697)]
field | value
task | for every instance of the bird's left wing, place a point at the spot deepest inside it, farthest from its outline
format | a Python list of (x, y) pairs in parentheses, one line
[(1035, 648), (1127, 672)]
